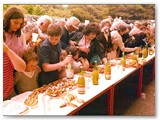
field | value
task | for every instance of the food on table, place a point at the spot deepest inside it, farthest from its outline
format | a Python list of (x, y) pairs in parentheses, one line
[(54, 90)]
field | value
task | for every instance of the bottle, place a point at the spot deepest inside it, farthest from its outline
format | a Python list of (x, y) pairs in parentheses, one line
[(123, 61), (108, 71), (70, 69), (76, 44), (145, 51), (140, 52), (95, 74), (151, 51), (81, 82), (134, 57)]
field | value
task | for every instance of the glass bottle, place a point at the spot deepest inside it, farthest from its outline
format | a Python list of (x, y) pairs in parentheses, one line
[(70, 69), (81, 82), (123, 61), (140, 52), (95, 74), (151, 50), (145, 51), (108, 70), (134, 57)]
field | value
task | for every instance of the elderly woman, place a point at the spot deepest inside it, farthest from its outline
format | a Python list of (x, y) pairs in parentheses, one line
[(105, 37), (90, 46)]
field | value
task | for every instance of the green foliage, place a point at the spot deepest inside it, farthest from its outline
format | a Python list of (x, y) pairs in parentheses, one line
[(29, 8), (93, 13), (38, 10)]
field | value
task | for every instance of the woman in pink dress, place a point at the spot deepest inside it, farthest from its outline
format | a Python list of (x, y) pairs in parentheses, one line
[(13, 21)]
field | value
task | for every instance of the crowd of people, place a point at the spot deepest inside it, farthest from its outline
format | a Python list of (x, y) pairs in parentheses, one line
[(28, 65)]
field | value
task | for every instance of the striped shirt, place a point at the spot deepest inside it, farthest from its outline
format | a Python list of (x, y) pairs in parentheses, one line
[(8, 82)]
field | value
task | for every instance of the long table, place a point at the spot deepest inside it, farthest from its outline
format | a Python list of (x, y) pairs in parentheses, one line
[(95, 91)]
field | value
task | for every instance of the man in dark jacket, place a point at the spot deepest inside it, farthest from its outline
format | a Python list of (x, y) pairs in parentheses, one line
[(70, 26)]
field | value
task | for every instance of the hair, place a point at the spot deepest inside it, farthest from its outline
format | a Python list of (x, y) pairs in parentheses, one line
[(92, 28), (4, 37), (72, 49), (44, 18), (29, 55), (54, 30), (122, 27), (81, 27), (12, 13), (143, 27), (104, 21)]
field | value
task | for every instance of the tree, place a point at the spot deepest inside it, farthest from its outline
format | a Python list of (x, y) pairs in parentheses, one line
[(92, 12)]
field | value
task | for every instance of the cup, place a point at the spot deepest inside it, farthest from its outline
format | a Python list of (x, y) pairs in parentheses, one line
[(34, 37)]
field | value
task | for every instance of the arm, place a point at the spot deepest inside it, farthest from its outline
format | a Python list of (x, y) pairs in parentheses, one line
[(18, 63), (51, 67), (123, 48), (42, 36)]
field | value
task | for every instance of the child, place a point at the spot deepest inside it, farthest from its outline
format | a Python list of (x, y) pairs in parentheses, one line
[(63, 54), (27, 80), (76, 60), (62, 72), (49, 57)]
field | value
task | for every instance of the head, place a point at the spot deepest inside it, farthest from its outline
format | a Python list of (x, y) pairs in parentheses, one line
[(122, 29), (73, 50), (91, 30), (54, 33), (31, 60), (138, 24), (72, 24), (43, 22), (80, 27), (61, 22), (105, 22), (63, 54), (28, 30), (144, 29), (13, 20)]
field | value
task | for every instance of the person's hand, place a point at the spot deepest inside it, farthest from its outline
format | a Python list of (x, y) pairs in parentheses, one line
[(39, 41), (68, 59), (86, 50), (72, 43), (137, 48), (109, 56), (32, 44), (81, 60)]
